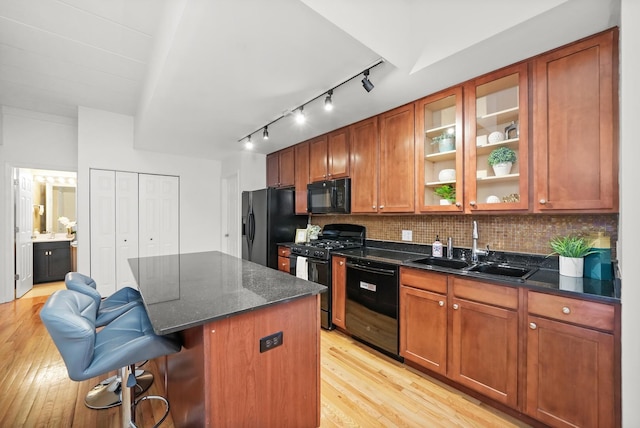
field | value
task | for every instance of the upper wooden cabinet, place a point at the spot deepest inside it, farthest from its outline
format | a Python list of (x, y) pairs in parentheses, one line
[(439, 151), (364, 166), (329, 156), (281, 168), (301, 176), (397, 160), (497, 121), (575, 126)]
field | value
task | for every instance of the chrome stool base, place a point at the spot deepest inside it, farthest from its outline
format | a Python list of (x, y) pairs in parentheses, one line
[(107, 393)]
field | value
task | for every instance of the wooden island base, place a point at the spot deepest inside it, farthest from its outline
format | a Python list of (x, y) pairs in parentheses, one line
[(221, 379)]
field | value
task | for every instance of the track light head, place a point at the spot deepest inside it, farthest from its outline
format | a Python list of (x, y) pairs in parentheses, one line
[(366, 83), (328, 102), (248, 144), (300, 115), (265, 133)]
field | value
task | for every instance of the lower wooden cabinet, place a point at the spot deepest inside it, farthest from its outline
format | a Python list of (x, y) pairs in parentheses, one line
[(284, 263), (338, 290), (51, 261), (554, 358), (570, 368), (423, 319)]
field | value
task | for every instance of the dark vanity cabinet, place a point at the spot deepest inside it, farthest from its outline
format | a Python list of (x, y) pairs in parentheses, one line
[(51, 261)]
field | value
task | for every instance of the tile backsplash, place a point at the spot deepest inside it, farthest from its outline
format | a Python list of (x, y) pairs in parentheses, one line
[(516, 233)]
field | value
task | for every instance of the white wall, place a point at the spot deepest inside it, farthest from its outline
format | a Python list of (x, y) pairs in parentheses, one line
[(252, 168), (29, 140), (630, 210), (105, 140)]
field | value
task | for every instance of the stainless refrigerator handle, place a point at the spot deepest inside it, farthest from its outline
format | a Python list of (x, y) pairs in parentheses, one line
[(252, 226)]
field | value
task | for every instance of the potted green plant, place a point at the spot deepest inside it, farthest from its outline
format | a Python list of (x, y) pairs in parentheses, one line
[(571, 250), (447, 194), (501, 160), (445, 141)]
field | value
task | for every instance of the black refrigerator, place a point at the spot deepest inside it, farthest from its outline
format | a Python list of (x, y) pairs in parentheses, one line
[(268, 218)]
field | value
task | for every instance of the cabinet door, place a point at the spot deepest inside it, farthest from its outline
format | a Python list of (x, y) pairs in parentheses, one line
[(497, 122), (397, 160), (302, 177), (126, 227), (284, 264), (338, 153), (273, 170), (59, 262), (158, 216), (339, 290), (363, 138), (439, 152), (423, 328), (40, 257), (318, 159), (484, 349), (287, 170), (575, 122), (570, 375), (102, 197)]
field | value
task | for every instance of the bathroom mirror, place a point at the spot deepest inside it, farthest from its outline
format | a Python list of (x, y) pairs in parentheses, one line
[(54, 196)]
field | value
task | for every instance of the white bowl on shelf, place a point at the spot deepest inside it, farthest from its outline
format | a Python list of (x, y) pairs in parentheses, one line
[(447, 175)]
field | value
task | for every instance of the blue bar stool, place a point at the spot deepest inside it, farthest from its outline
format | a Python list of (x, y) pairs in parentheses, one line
[(70, 320), (106, 393), (109, 308)]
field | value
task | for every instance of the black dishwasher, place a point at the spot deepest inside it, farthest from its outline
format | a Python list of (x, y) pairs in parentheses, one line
[(372, 304)]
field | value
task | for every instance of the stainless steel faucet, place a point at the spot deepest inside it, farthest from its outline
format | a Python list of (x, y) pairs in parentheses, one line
[(449, 247), (474, 250)]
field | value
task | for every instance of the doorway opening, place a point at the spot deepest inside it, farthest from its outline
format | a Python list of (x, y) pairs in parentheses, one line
[(45, 220)]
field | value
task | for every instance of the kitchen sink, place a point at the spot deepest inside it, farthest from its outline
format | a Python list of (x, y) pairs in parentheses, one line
[(446, 263), (502, 270)]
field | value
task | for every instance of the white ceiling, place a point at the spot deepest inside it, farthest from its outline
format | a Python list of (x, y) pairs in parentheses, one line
[(199, 75)]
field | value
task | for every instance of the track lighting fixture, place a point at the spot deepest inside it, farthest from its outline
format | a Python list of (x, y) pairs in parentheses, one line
[(366, 83), (249, 144), (299, 112), (328, 102)]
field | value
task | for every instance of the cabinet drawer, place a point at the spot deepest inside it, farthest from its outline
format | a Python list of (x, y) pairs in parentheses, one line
[(582, 312), (284, 251), (436, 282), (483, 292)]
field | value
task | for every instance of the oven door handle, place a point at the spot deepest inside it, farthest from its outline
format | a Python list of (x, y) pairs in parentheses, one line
[(317, 262), (389, 272)]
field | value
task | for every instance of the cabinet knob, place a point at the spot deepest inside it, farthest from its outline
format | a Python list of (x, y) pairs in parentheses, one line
[(458, 204), (566, 310), (329, 175), (125, 240), (472, 203), (543, 201), (341, 263), (533, 325), (456, 306), (441, 303), (381, 206), (373, 206)]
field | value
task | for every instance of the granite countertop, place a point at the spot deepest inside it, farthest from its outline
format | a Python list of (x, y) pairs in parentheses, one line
[(186, 290), (545, 278)]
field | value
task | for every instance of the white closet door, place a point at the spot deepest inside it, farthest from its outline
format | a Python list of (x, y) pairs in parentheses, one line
[(103, 230), (158, 216), (126, 227)]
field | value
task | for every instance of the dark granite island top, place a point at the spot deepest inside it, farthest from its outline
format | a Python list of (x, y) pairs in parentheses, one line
[(250, 340), (186, 290)]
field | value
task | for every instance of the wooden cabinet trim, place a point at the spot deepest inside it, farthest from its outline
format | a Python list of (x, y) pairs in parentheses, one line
[(429, 281), (499, 295), (589, 314)]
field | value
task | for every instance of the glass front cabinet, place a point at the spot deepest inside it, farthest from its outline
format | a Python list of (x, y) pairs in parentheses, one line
[(496, 147), (439, 152)]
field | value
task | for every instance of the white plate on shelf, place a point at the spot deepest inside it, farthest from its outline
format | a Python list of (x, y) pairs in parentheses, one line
[(447, 175)]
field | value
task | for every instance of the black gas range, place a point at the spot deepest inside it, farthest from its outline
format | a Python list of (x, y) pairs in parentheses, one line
[(334, 237), (312, 260)]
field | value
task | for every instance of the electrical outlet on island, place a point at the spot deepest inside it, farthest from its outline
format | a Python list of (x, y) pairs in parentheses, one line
[(407, 235)]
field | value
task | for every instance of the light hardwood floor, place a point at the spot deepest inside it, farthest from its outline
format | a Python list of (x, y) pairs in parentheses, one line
[(360, 387)]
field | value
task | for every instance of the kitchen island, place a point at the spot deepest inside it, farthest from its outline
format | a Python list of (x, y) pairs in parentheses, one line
[(251, 340)]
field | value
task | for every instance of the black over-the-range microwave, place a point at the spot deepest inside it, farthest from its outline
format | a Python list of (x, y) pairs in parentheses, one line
[(326, 197)]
